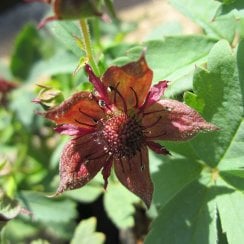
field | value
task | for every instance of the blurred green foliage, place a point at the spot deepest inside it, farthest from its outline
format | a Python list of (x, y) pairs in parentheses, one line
[(198, 190)]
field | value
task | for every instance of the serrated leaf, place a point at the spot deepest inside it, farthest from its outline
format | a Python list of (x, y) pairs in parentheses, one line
[(85, 233), (46, 209), (118, 203), (218, 94), (219, 88), (189, 217), (204, 14), (177, 66)]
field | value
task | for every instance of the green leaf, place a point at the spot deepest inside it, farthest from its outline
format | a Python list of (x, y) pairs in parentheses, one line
[(189, 205), (60, 63), (26, 52), (176, 173), (234, 178), (88, 193), (189, 217), (40, 241), (21, 104), (118, 203), (230, 207), (177, 67), (9, 208), (204, 14), (218, 90), (46, 209), (235, 6), (85, 233), (67, 33)]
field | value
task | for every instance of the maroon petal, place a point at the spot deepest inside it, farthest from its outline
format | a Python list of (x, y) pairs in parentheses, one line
[(80, 161), (79, 110), (155, 93), (132, 81), (100, 88), (72, 130), (173, 120), (134, 175), (157, 148)]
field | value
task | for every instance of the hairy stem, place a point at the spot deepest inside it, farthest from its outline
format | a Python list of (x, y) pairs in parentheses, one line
[(87, 45)]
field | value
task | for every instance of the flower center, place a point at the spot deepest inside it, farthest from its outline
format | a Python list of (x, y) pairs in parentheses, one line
[(123, 135)]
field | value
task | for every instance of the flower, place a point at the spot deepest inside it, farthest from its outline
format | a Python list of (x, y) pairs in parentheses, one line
[(116, 124), (70, 10), (5, 87)]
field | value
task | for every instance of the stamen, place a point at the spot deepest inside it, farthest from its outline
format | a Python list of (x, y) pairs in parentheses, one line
[(84, 123), (88, 115), (136, 97), (152, 112), (145, 102), (116, 91), (154, 123), (154, 137)]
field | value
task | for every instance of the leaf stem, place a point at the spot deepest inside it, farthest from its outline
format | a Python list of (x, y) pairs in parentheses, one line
[(87, 45)]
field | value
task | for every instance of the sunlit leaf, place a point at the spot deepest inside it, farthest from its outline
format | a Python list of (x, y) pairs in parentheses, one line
[(118, 203), (85, 233), (175, 58), (204, 14)]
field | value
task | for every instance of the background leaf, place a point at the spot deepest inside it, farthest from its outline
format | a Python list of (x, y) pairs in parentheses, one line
[(219, 97), (26, 52), (85, 233), (177, 67), (118, 203), (204, 14)]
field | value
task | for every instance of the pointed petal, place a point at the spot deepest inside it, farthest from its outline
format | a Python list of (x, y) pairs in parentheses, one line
[(132, 81), (80, 161), (72, 130), (173, 120), (79, 110), (106, 171), (100, 88), (155, 93), (135, 176), (157, 148)]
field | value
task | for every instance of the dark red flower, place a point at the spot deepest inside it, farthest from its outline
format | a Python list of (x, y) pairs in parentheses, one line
[(69, 10), (5, 87), (116, 124)]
